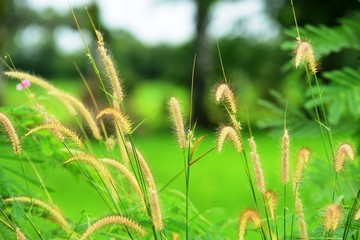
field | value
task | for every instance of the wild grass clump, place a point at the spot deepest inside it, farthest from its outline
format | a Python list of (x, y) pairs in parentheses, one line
[(107, 158)]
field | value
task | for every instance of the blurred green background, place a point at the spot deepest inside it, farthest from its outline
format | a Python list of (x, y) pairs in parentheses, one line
[(254, 63)]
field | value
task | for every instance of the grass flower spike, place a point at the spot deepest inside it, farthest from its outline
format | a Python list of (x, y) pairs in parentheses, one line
[(271, 201), (111, 71), (305, 53), (303, 158), (19, 235), (229, 132), (224, 94), (285, 149), (122, 120), (345, 150), (248, 215), (54, 211), (332, 217), (113, 220), (176, 116), (300, 211), (12, 133), (260, 180)]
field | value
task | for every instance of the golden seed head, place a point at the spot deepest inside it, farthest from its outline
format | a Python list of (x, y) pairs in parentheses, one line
[(156, 210), (260, 180), (285, 149), (271, 200), (224, 94), (301, 218), (126, 172), (59, 130), (111, 71), (19, 235), (229, 132), (345, 150), (80, 107), (302, 160), (10, 130), (53, 210), (175, 236), (33, 79), (113, 220), (305, 53), (176, 116), (332, 217), (121, 119), (248, 215)]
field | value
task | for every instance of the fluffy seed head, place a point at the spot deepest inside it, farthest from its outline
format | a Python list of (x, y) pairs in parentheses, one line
[(271, 201), (260, 180), (80, 107), (10, 130), (303, 158), (345, 150), (156, 210), (57, 127), (111, 71), (332, 217), (285, 149), (19, 235), (229, 132), (52, 210), (176, 116), (121, 120), (305, 53), (301, 217), (33, 79), (248, 215), (126, 172), (224, 94), (113, 220)]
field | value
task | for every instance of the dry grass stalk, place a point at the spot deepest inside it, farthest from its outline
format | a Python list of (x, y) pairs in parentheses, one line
[(248, 215), (111, 71), (176, 116), (59, 128), (260, 180), (112, 220), (345, 150), (54, 211), (271, 201), (10, 130), (121, 120), (285, 149), (301, 217), (332, 217), (79, 106), (305, 53), (229, 132), (126, 172), (224, 94), (303, 158), (19, 235)]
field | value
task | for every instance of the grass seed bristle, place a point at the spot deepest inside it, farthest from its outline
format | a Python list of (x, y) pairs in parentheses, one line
[(121, 120), (54, 211), (229, 132), (248, 215), (224, 94), (345, 150), (176, 116), (260, 180), (58, 127), (10, 130), (123, 221), (285, 154), (332, 217)]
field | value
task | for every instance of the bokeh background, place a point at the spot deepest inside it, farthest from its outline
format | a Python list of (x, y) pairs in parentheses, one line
[(154, 43)]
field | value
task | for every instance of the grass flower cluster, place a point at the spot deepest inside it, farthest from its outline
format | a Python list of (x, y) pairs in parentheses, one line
[(135, 206)]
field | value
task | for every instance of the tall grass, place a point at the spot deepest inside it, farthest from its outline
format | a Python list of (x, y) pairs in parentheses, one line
[(124, 181)]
